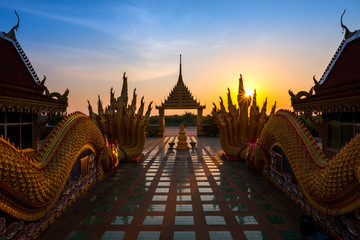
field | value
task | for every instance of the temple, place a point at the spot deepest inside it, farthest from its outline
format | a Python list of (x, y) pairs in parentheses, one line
[(336, 96), (127, 186), (23, 96), (180, 97)]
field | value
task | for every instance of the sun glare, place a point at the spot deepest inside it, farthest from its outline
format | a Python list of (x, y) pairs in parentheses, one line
[(248, 92)]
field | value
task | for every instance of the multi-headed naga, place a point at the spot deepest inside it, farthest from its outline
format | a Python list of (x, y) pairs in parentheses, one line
[(122, 126), (238, 131), (268, 143)]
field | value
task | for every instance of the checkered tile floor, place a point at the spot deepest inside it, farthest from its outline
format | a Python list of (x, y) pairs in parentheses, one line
[(187, 194)]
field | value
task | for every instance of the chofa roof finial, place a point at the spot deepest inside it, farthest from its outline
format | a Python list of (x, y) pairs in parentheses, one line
[(347, 31), (11, 33)]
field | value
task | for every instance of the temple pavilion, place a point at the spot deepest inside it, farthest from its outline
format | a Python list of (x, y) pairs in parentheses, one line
[(180, 97), (23, 96), (336, 96)]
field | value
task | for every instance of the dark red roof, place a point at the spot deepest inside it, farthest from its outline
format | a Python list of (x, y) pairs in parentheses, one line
[(346, 70), (13, 70), (19, 84)]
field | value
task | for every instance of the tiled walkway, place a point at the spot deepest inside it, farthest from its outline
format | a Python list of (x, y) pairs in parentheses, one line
[(188, 195)]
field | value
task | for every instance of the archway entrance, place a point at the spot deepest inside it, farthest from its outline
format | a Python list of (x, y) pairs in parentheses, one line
[(180, 97)]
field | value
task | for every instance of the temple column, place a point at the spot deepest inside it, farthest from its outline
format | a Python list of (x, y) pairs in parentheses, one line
[(200, 128), (161, 130)]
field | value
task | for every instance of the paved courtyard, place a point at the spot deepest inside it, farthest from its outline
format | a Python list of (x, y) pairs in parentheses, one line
[(187, 194)]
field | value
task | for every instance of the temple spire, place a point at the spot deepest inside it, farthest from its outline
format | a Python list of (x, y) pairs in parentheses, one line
[(180, 65), (180, 71)]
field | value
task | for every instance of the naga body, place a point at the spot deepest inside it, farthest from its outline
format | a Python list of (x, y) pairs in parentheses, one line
[(30, 187)]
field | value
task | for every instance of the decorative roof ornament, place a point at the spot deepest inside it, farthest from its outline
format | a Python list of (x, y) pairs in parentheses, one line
[(347, 31), (11, 33)]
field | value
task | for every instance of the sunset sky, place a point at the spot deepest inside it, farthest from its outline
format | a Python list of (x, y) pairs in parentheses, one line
[(87, 45)]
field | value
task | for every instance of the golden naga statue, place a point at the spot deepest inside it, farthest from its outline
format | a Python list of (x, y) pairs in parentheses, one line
[(329, 185), (30, 187), (124, 129), (238, 131)]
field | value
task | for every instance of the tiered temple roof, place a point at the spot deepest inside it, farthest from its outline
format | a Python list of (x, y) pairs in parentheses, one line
[(180, 96), (20, 86), (339, 88)]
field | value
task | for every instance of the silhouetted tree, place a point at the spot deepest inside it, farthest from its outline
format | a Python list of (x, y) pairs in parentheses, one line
[(188, 119)]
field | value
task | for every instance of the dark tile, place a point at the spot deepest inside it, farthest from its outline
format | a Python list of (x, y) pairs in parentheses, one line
[(207, 197), (184, 235), (122, 220), (148, 178), (136, 198), (184, 220), (78, 235), (130, 208), (265, 207), (205, 190), (163, 184), (111, 198), (103, 208), (232, 197), (92, 220), (148, 235), (129, 178), (241, 183), (119, 190), (248, 189), (183, 198), (215, 220), (157, 208), (217, 235), (153, 220), (255, 197), (246, 220), (226, 189), (140, 190), (222, 183), (124, 183), (162, 190), (211, 207), (160, 198), (291, 235), (145, 184), (183, 190), (238, 207), (256, 235), (273, 219), (184, 208), (113, 235)]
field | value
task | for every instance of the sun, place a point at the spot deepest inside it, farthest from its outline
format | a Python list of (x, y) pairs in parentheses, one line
[(248, 92)]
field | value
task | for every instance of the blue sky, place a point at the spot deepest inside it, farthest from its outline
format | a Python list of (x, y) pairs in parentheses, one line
[(87, 45)]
